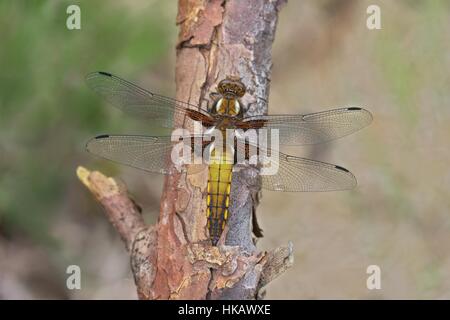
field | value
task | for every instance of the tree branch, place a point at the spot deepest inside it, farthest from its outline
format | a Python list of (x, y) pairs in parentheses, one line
[(121, 211)]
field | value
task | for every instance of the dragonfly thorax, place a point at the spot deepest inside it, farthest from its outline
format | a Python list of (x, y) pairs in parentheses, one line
[(227, 107)]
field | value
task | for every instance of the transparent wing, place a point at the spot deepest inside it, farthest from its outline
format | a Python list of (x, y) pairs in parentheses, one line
[(153, 154), (139, 102), (313, 128), (297, 174), (282, 172), (147, 153)]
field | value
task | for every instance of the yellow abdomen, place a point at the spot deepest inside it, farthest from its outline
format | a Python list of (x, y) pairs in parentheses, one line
[(218, 198)]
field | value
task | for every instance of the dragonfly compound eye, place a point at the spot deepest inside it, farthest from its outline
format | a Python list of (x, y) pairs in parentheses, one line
[(231, 86)]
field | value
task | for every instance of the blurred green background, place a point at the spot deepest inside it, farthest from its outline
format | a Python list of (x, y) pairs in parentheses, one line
[(324, 57)]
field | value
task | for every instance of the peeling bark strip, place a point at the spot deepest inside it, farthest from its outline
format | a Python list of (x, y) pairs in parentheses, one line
[(175, 259)]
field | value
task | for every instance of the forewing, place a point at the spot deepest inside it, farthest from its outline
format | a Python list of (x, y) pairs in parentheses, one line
[(142, 103), (312, 128)]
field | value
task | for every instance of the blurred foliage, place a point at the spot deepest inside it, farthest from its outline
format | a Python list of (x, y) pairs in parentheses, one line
[(47, 112), (406, 54)]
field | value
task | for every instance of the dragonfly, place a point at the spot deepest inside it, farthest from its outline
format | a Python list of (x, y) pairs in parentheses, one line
[(152, 153)]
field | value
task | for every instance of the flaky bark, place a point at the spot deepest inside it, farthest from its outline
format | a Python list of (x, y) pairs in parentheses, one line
[(175, 259)]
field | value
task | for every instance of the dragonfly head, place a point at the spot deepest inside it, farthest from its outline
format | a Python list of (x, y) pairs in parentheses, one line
[(231, 87)]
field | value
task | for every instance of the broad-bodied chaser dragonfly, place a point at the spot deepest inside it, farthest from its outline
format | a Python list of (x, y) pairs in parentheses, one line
[(226, 111)]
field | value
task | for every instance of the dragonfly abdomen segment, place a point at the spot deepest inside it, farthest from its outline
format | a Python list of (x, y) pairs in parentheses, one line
[(218, 197)]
